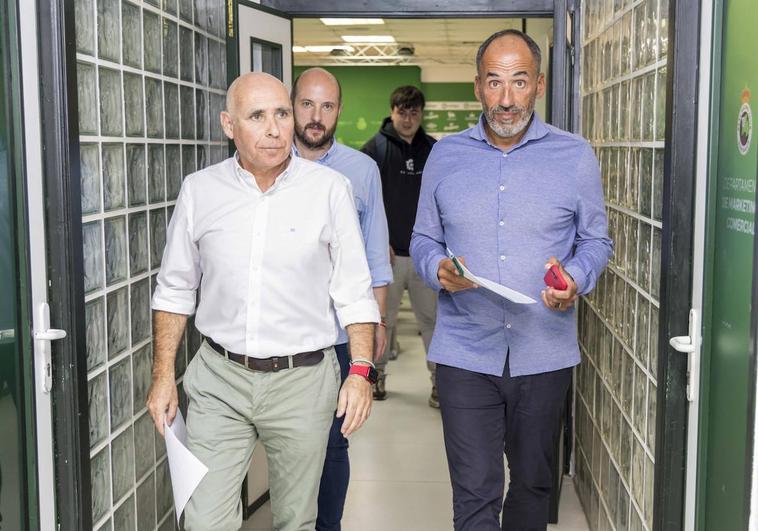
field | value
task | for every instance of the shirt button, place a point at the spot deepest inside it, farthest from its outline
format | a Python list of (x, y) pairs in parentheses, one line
[(505, 154), (508, 325), (502, 223), (502, 188), (502, 257)]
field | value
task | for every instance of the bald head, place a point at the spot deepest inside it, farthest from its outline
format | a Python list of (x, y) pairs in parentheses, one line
[(317, 76), (252, 82), (317, 102), (258, 117)]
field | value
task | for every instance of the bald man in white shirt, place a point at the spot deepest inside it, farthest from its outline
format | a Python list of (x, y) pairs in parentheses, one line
[(275, 244)]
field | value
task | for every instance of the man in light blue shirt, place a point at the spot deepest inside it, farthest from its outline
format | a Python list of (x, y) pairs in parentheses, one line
[(510, 196), (317, 102)]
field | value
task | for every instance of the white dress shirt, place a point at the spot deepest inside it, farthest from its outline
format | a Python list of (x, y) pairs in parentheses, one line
[(272, 267)]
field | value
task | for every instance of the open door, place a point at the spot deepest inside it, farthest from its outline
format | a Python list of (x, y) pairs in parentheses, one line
[(725, 438), (261, 40)]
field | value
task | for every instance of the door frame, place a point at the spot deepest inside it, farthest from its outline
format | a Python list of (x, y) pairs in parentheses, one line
[(59, 126), (707, 116), (37, 259)]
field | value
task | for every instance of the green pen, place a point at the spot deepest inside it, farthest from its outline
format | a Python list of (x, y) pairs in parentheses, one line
[(456, 263)]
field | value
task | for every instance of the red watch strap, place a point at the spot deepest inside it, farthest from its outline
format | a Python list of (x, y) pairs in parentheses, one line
[(360, 370)]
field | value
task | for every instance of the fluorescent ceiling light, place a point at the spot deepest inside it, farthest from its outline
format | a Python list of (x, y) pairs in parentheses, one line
[(351, 21), (322, 49), (369, 38)]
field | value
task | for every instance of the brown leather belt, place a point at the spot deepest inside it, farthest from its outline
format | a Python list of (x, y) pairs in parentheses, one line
[(273, 364)]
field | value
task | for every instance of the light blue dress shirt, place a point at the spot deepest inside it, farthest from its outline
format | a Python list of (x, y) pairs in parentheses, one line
[(507, 212), (363, 174)]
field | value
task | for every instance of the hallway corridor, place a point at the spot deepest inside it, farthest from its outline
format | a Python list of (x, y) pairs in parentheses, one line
[(399, 479)]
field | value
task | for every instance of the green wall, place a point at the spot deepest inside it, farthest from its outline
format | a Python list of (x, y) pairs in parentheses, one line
[(450, 107), (366, 92)]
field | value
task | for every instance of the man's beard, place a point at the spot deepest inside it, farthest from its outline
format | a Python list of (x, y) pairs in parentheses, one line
[(326, 138), (509, 131)]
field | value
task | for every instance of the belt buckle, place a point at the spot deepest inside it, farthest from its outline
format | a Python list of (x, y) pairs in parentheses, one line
[(275, 364)]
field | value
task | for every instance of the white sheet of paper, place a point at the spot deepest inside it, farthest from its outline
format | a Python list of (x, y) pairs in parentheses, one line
[(186, 470), (503, 291)]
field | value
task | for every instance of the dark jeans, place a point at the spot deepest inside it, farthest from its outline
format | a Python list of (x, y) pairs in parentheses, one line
[(485, 416), (336, 474)]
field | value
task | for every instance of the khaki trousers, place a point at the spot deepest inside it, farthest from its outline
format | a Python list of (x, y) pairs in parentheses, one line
[(231, 409), (423, 302)]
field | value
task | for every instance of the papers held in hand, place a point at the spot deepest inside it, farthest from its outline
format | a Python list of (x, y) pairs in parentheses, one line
[(506, 292), (186, 470)]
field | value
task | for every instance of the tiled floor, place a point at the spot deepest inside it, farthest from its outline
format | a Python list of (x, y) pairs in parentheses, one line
[(399, 478)]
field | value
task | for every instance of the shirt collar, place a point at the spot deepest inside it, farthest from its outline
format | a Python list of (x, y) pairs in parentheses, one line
[(536, 130), (249, 179), (323, 158)]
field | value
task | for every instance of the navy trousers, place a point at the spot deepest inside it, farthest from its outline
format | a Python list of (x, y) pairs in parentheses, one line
[(485, 416), (336, 474)]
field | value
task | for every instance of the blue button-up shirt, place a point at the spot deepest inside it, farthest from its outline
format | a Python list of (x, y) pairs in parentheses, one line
[(507, 212), (363, 174)]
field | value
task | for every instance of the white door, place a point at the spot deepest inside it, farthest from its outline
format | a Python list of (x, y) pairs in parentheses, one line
[(694, 341), (35, 207), (264, 37)]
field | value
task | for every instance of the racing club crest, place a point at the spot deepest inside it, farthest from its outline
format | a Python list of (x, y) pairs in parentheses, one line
[(745, 124)]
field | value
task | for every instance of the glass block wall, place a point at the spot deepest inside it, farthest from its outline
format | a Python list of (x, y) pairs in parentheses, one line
[(623, 90), (151, 83)]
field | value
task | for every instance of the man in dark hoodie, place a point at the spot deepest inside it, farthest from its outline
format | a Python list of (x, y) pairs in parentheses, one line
[(400, 149)]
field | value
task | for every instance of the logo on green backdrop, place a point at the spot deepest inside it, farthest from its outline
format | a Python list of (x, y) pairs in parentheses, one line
[(745, 124), (361, 124)]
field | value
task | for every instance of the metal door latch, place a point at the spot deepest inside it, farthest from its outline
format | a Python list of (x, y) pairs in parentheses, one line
[(690, 345), (43, 335)]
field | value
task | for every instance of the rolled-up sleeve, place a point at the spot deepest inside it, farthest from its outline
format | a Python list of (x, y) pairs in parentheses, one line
[(593, 246), (180, 273), (350, 283), (375, 231), (428, 239)]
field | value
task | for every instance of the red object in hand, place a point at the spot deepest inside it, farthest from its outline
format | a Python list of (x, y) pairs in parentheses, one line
[(554, 278)]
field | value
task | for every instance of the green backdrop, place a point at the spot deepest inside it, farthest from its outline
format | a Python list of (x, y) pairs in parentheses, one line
[(366, 92)]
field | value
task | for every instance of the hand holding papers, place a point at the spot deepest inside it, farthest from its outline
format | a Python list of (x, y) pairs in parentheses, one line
[(186, 469), (508, 293)]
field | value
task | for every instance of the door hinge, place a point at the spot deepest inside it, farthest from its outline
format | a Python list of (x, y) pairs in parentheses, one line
[(690, 345), (43, 335)]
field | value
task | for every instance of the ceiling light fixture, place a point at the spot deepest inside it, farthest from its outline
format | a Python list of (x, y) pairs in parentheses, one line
[(351, 21), (328, 48), (372, 39)]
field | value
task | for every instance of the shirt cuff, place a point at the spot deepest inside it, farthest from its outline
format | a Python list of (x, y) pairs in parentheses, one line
[(172, 301), (363, 311), (579, 276), (381, 276)]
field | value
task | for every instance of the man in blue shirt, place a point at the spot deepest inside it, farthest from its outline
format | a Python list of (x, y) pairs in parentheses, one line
[(317, 102), (511, 195)]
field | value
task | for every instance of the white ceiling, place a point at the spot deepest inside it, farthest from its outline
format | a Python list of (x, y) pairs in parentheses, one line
[(444, 41)]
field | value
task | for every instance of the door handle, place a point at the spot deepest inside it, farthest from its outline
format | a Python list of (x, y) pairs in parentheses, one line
[(52, 334), (690, 345), (8, 334), (43, 335), (682, 344)]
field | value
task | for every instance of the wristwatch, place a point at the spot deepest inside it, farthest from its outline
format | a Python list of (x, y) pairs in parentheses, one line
[(367, 371)]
